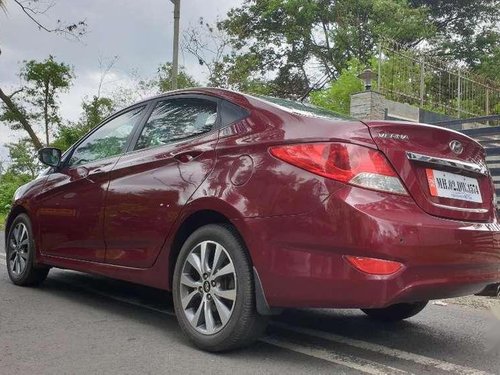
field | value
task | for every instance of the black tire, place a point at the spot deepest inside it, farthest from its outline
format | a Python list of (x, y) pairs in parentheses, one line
[(32, 274), (396, 312), (245, 325)]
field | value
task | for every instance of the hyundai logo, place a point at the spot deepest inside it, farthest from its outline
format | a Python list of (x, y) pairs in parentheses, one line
[(456, 147)]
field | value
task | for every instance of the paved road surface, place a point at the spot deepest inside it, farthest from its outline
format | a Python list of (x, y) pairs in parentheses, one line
[(81, 324)]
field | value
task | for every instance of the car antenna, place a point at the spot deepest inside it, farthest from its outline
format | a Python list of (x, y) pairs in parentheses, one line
[(318, 85)]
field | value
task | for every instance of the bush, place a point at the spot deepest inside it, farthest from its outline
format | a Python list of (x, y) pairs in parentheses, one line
[(9, 182)]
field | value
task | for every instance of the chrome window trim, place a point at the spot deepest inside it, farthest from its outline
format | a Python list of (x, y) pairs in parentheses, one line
[(466, 166)]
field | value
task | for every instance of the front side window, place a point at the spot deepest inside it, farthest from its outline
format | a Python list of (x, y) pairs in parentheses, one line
[(177, 119), (107, 141)]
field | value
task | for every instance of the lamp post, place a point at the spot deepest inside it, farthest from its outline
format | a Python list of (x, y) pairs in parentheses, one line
[(368, 76), (175, 57)]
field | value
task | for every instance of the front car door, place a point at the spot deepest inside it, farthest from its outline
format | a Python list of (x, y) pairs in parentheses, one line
[(71, 209), (174, 152)]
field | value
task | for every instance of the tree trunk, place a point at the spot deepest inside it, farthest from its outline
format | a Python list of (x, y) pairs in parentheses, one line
[(22, 120)]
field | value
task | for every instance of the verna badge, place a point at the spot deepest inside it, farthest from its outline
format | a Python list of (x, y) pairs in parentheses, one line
[(400, 137), (456, 147)]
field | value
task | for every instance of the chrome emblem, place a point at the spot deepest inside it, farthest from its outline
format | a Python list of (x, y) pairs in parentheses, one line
[(456, 147), (399, 137)]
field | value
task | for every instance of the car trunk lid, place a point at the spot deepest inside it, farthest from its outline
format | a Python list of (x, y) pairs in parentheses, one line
[(444, 171)]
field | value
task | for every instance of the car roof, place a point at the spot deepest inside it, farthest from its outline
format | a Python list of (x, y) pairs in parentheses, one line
[(249, 102)]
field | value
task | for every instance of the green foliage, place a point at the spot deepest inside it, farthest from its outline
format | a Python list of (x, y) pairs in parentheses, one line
[(283, 38), (337, 97), (23, 158), (37, 98), (164, 81), (22, 168), (3, 218), (93, 113), (9, 182), (490, 65), (285, 42), (465, 30)]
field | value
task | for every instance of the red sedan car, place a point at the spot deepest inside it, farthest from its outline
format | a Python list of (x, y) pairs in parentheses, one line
[(242, 206)]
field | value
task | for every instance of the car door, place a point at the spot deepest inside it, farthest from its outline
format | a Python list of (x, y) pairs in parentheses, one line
[(71, 209), (174, 152)]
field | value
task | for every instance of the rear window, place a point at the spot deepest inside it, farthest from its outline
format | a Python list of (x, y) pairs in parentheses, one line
[(305, 109)]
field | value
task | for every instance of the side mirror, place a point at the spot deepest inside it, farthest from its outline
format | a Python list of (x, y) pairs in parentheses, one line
[(50, 156)]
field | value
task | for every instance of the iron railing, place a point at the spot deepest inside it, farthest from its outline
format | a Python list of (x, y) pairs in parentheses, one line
[(412, 76)]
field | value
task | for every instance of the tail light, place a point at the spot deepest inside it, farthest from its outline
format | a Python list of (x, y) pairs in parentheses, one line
[(345, 162), (374, 266)]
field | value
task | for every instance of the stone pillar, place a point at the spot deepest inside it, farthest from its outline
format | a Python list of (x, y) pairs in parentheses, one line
[(368, 105)]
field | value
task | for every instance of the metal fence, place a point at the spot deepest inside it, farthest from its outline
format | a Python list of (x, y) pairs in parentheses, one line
[(412, 76)]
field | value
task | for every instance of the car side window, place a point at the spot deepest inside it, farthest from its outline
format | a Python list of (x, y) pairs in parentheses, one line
[(177, 119), (107, 141)]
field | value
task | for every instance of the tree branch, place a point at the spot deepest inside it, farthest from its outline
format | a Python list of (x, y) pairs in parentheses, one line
[(16, 92), (75, 30), (22, 120)]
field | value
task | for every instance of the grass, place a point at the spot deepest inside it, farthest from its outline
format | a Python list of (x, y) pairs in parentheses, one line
[(3, 217)]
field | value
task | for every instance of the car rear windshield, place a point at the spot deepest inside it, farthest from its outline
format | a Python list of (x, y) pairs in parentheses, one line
[(305, 109)]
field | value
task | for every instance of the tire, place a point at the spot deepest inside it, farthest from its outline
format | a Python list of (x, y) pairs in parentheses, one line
[(210, 328), (396, 312), (20, 252)]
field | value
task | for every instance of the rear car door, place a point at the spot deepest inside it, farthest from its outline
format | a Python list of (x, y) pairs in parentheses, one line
[(172, 154), (71, 209)]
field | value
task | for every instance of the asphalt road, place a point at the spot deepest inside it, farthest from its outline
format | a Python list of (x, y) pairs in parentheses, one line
[(82, 324)]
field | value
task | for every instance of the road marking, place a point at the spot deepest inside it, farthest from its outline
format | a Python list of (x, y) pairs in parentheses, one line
[(368, 366), (362, 365), (400, 354)]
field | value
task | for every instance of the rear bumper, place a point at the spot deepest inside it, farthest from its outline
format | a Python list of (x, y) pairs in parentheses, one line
[(300, 258)]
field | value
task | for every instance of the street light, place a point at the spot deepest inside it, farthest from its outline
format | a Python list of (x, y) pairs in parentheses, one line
[(175, 58), (368, 76)]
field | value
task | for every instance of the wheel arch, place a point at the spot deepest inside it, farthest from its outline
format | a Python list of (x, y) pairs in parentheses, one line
[(14, 212), (191, 222), (203, 216)]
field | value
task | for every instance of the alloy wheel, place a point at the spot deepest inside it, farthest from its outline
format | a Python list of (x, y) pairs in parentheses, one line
[(208, 287), (19, 247)]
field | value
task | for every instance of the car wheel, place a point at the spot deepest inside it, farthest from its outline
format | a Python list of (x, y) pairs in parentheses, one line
[(213, 290), (396, 312), (20, 252)]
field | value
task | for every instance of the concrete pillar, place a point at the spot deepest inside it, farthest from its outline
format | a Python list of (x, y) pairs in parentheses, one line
[(368, 105)]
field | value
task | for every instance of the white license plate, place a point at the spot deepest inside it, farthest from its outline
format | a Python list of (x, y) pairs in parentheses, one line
[(454, 186)]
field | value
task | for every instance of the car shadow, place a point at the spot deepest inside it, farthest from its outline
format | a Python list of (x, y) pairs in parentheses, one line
[(426, 334)]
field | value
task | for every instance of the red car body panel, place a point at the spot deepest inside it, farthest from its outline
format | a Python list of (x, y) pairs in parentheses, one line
[(298, 226)]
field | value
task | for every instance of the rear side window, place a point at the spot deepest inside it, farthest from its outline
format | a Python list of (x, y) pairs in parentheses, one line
[(177, 119), (305, 109)]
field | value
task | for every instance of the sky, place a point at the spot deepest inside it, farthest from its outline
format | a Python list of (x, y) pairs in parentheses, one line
[(139, 33)]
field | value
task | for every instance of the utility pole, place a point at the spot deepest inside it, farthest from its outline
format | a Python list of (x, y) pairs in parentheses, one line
[(175, 58)]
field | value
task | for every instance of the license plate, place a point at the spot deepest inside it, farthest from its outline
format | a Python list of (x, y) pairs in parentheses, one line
[(454, 186)]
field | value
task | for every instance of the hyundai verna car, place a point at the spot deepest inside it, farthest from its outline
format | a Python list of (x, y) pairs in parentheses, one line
[(242, 206)]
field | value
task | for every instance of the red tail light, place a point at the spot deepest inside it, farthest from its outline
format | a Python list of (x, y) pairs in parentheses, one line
[(374, 266), (345, 162)]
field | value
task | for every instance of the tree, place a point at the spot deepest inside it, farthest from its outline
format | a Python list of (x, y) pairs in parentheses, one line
[(465, 30), (36, 10), (291, 40), (36, 101), (337, 97), (164, 79), (94, 111), (23, 158), (210, 45)]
